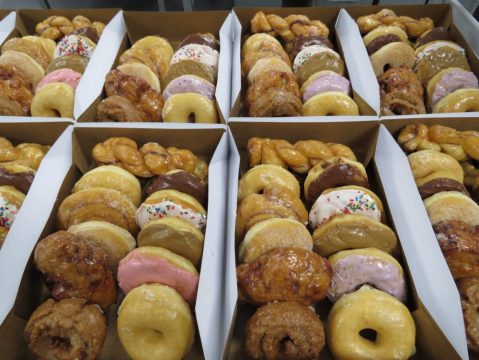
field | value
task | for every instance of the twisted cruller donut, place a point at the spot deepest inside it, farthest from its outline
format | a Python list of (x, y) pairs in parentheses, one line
[(288, 28), (55, 27), (25, 154), (151, 159), (459, 144), (300, 157), (413, 27)]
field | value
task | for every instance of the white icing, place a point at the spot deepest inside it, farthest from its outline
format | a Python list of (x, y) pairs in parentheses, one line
[(8, 212), (307, 53), (437, 45), (149, 212), (201, 53)]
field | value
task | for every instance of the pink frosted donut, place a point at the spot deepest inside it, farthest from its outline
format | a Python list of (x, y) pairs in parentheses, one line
[(353, 268), (66, 76), (189, 84), (151, 264), (324, 81)]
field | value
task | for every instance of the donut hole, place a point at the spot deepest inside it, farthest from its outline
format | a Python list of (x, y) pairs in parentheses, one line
[(192, 118), (369, 334), (62, 343), (386, 67)]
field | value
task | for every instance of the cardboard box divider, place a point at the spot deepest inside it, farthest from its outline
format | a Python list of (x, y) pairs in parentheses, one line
[(212, 148), (175, 26), (7, 23), (340, 35), (89, 87), (444, 15), (361, 137)]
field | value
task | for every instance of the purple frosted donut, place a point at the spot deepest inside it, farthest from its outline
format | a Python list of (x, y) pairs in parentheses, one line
[(324, 81), (189, 84)]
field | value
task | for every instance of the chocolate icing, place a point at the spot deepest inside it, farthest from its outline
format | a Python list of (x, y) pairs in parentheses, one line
[(20, 181), (181, 181), (335, 175), (201, 39), (438, 33), (301, 42), (378, 42), (88, 32), (442, 184)]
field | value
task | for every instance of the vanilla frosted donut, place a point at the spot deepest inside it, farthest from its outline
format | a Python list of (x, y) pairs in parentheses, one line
[(352, 268), (54, 100), (189, 84), (332, 103), (371, 309), (324, 81), (200, 53), (154, 322), (267, 64), (183, 107), (75, 44), (345, 200), (305, 54)]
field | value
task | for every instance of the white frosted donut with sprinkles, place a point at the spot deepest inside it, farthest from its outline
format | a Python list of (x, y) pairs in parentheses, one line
[(195, 52), (75, 44)]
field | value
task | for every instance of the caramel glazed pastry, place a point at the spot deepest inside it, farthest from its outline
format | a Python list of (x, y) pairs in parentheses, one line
[(443, 162), (305, 77), (285, 271), (39, 73), (153, 83)]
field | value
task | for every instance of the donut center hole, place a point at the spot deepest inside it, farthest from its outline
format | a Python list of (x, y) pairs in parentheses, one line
[(386, 67), (369, 334), (192, 118), (57, 113), (159, 333), (62, 343)]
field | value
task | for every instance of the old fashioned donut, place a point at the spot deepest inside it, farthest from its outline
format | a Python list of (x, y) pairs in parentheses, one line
[(393, 55), (186, 106), (54, 100), (333, 103), (159, 50), (371, 309), (154, 322), (261, 176), (462, 100), (31, 69), (47, 44)]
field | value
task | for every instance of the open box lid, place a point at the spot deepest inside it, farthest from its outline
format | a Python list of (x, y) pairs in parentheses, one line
[(36, 208), (7, 24), (434, 283)]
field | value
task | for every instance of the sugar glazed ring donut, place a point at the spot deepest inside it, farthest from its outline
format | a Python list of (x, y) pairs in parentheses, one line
[(154, 322), (395, 54), (54, 100), (463, 100), (186, 106), (333, 103), (372, 309)]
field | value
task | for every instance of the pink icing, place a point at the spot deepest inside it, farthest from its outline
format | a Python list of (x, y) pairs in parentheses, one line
[(66, 76), (352, 271), (189, 84), (451, 81), (329, 81), (139, 268)]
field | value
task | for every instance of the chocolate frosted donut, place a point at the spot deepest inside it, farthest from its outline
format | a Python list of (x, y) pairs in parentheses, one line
[(182, 181), (378, 42), (441, 184), (201, 39), (301, 42), (438, 33), (88, 32), (20, 177), (75, 62)]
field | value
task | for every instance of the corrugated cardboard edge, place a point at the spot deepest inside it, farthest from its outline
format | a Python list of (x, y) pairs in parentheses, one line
[(91, 83), (7, 25), (31, 220), (439, 297)]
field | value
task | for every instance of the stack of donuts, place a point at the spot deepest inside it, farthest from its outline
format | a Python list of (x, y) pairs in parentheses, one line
[(305, 79), (442, 161), (98, 223), (39, 74), (187, 78), (18, 165), (417, 64), (283, 268)]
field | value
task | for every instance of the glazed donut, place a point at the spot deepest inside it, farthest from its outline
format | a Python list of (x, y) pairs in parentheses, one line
[(32, 70), (352, 268), (251, 58), (332, 103), (299, 275), (75, 44), (427, 165), (70, 321), (54, 100), (462, 100), (186, 106), (138, 55), (393, 55), (9, 107), (271, 234), (372, 309), (155, 322), (190, 84), (400, 79), (75, 62), (258, 41), (448, 80), (258, 178), (452, 206), (143, 72), (324, 81), (268, 64), (469, 291)]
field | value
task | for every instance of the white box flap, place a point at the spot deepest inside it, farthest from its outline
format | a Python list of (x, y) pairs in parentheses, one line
[(357, 61), (421, 249), (91, 83), (7, 25), (209, 298), (236, 63), (467, 25), (223, 84), (31, 219)]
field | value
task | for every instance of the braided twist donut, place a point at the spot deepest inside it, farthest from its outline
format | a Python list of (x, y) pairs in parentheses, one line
[(413, 27), (151, 159), (300, 157), (25, 154), (288, 28), (459, 144), (54, 27)]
